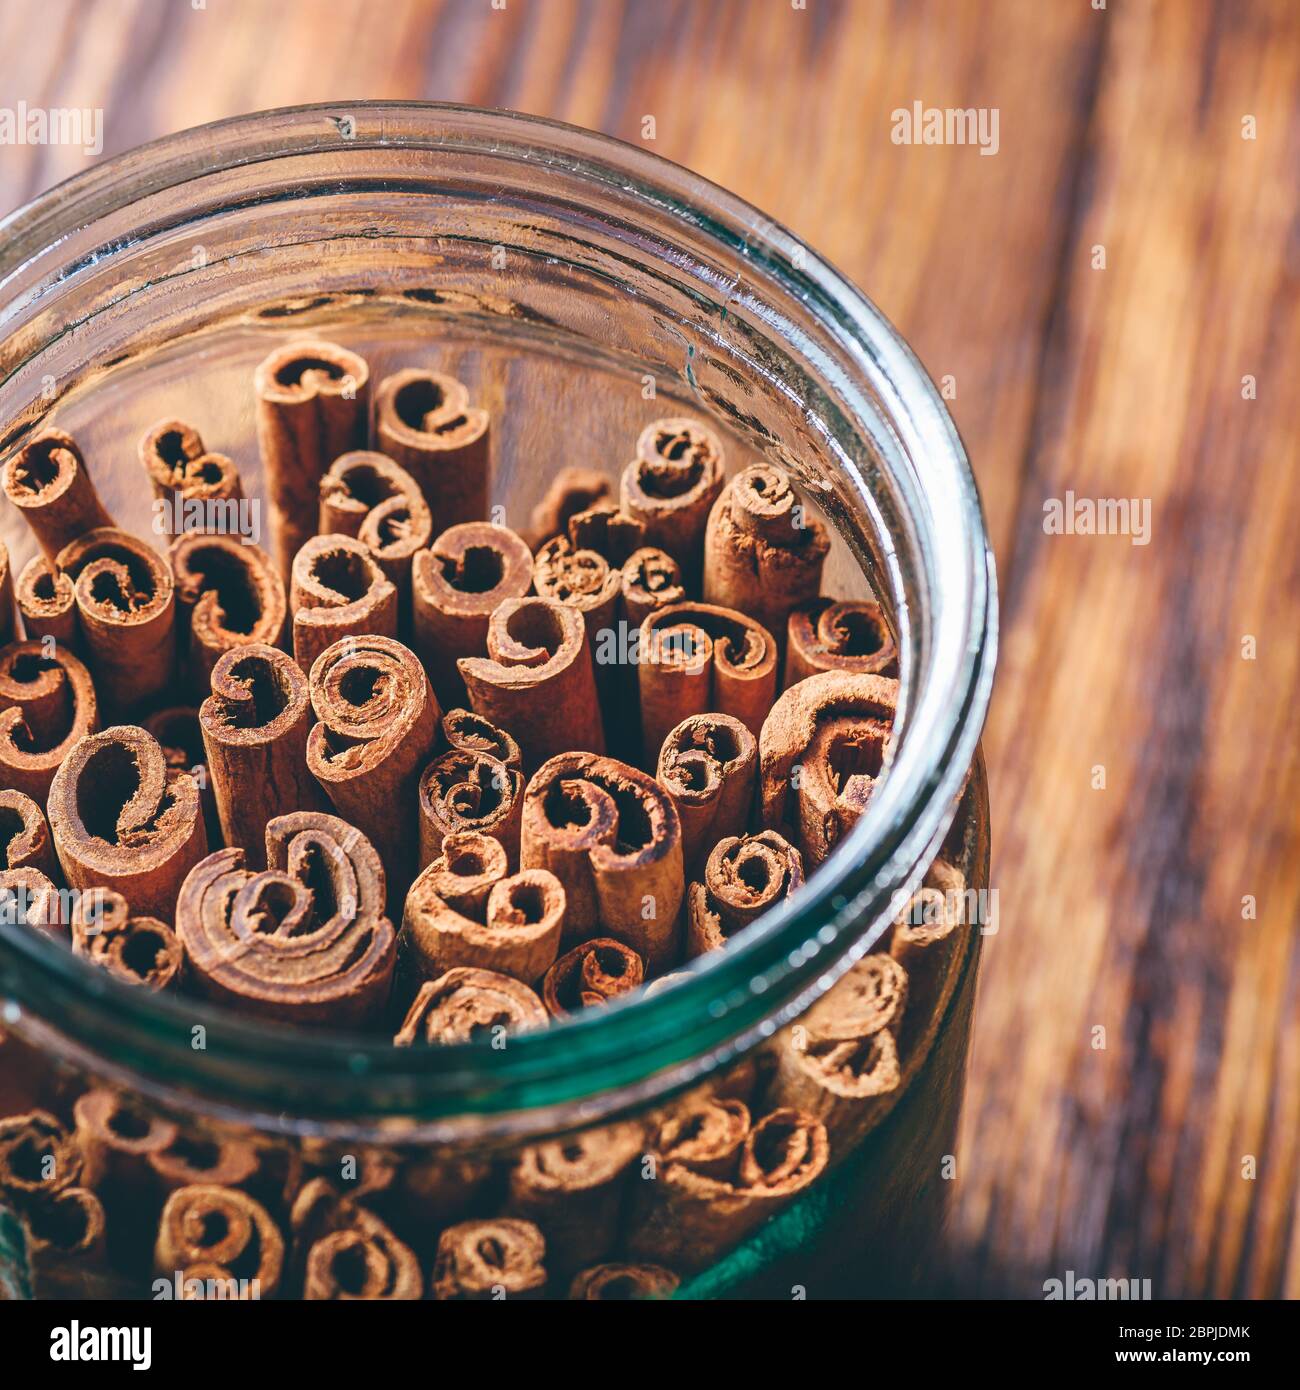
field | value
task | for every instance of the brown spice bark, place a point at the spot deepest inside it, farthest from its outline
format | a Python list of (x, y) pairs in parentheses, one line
[(591, 974), (338, 590), (839, 635), (537, 680), (462, 791), (312, 406), (8, 616), (137, 950), (744, 877), (47, 706), (612, 836), (48, 482), (219, 1233), (25, 840), (709, 764), (179, 467), (457, 584), (246, 935), (465, 1004), (47, 603), (126, 614), (425, 422), (255, 726), (228, 595), (623, 1283), (343, 1252), (482, 1259), (122, 820), (571, 490)]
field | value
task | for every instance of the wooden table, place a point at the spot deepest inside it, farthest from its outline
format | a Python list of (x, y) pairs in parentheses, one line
[(1098, 292)]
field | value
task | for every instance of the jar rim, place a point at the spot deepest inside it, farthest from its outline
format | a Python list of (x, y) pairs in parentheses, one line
[(638, 1048)]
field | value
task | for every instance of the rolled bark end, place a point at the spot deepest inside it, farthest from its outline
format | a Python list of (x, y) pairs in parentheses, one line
[(745, 876), (48, 482), (338, 590), (137, 950), (465, 1004), (47, 706), (179, 467), (590, 975), (623, 1283), (484, 1259), (47, 602), (847, 635), (670, 486), (571, 490), (208, 1232), (25, 840), (709, 763)]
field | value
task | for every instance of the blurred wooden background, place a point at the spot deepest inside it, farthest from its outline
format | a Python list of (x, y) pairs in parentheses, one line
[(1169, 1153)]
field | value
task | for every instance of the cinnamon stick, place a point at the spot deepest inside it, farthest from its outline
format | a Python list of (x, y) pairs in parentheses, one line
[(137, 950), (583, 579), (671, 485), (66, 1247), (425, 422), (47, 706), (839, 635), (193, 1158), (502, 1258), (650, 579), (177, 730), (591, 974), (255, 726), (229, 595), (744, 877), (685, 1219), (574, 1188), (463, 910), (537, 679), (465, 1004), (38, 1157), (122, 820), (462, 791), (219, 1234), (368, 496), (338, 590), (29, 899), (840, 1061), (763, 549), (126, 613), (570, 491), (181, 471), (457, 584), (467, 732), (623, 1283), (7, 615), (836, 728), (346, 1252), (378, 722), (612, 836), (705, 1133), (926, 941), (709, 763), (694, 658), (303, 941), (312, 406), (47, 603), (48, 482), (25, 841)]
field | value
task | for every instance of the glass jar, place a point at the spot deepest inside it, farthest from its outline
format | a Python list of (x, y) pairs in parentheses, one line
[(580, 287)]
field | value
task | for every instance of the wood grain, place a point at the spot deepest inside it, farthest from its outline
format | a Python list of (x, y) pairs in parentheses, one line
[(1121, 908)]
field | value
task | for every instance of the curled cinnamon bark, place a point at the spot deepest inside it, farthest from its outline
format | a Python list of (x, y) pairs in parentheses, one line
[(465, 1004), (122, 820), (48, 482), (38, 1157), (463, 791), (457, 584), (255, 726), (745, 876), (694, 658), (489, 1259), (448, 922), (572, 490), (47, 603), (650, 579), (304, 941), (346, 1252), (591, 974), (583, 579), (47, 706), (25, 841), (763, 549), (623, 1283), (217, 1233), (708, 763), (686, 1219), (66, 1247), (177, 730), (229, 595), (537, 679), (134, 949), (671, 485), (845, 635), (574, 1187), (840, 1061), (126, 612), (312, 406), (467, 732), (612, 836), (706, 1133), (926, 941), (194, 1158), (178, 466), (836, 728), (607, 529), (366, 495), (425, 422), (29, 899), (7, 632), (338, 590), (378, 722)]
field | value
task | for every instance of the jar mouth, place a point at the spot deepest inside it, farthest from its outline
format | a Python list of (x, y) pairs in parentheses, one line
[(632, 1050)]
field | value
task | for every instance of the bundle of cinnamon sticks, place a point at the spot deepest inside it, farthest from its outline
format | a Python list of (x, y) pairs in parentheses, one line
[(411, 771)]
